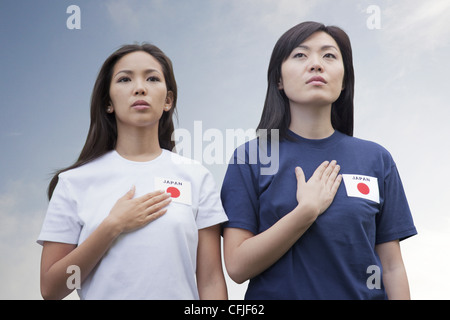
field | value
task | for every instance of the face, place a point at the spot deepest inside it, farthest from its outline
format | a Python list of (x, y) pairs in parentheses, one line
[(313, 73), (138, 91)]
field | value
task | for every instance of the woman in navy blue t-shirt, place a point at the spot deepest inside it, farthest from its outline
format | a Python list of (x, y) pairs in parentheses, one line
[(326, 224)]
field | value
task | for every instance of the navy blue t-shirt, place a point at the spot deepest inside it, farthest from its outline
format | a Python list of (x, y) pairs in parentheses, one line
[(335, 257)]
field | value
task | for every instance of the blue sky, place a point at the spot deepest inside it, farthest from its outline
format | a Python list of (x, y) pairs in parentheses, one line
[(220, 50)]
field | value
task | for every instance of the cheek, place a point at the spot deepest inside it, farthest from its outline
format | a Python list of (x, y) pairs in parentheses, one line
[(290, 80), (337, 75), (159, 95), (341, 82), (115, 95), (339, 87), (341, 75)]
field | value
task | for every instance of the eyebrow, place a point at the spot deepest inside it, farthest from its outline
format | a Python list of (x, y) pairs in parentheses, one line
[(323, 48), (130, 72)]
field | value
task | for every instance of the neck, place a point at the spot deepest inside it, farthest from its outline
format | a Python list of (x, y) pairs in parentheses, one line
[(311, 122), (138, 144)]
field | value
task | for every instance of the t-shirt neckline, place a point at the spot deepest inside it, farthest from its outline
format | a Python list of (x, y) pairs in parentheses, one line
[(139, 163), (333, 139)]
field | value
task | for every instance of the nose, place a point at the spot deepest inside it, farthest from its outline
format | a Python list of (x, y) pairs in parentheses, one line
[(140, 88), (316, 67)]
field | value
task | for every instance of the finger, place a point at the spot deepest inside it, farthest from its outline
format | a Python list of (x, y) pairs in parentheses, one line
[(336, 183), (329, 169), (156, 215), (321, 169), (158, 206), (300, 175), (333, 174), (155, 199), (130, 193), (150, 195)]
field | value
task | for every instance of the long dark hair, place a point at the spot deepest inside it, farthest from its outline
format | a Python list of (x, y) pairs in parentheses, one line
[(102, 134), (276, 113)]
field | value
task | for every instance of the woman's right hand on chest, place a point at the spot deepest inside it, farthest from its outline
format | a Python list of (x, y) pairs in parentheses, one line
[(130, 213)]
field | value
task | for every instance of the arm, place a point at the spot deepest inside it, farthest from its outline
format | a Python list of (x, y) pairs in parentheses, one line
[(395, 279), (56, 257), (127, 214), (210, 280), (247, 255)]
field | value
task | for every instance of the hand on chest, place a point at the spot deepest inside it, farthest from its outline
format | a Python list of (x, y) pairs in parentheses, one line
[(356, 193)]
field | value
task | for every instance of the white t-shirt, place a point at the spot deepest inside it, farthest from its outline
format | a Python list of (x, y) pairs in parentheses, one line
[(157, 261)]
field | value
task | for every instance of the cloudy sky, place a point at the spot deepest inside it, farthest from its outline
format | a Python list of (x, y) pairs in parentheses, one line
[(220, 50)]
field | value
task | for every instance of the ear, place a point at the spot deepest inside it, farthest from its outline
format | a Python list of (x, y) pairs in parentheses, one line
[(169, 101), (280, 84), (109, 109)]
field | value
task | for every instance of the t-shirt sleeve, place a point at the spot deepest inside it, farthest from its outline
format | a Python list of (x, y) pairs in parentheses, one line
[(210, 209), (394, 221), (61, 223), (239, 194)]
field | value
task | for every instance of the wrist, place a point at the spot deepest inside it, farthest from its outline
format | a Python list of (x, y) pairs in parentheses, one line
[(307, 212), (111, 226)]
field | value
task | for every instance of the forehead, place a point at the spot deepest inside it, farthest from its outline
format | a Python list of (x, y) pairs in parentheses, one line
[(138, 60), (320, 39)]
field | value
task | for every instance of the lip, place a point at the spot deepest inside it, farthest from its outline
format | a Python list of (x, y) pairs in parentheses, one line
[(140, 105), (316, 80)]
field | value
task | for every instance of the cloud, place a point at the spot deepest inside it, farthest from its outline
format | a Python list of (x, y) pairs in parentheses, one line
[(13, 134), (123, 14), (22, 209), (415, 28), (270, 15), (230, 18), (426, 264)]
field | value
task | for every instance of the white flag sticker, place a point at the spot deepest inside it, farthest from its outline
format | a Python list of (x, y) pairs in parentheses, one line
[(362, 187), (179, 190)]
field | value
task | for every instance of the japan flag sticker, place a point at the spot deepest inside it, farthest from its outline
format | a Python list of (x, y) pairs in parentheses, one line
[(362, 187), (180, 191)]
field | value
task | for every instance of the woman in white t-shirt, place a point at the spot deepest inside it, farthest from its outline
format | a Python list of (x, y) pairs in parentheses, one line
[(130, 219)]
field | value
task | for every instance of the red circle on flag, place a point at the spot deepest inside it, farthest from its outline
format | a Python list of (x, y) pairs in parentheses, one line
[(363, 188), (174, 192)]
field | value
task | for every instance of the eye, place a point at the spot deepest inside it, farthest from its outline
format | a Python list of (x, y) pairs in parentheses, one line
[(124, 79), (153, 79), (330, 55), (299, 55)]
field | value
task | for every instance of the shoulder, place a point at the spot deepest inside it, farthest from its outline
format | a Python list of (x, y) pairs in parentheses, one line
[(176, 158), (185, 166), (250, 160), (248, 156), (88, 171), (250, 151), (366, 147), (367, 155), (182, 161)]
